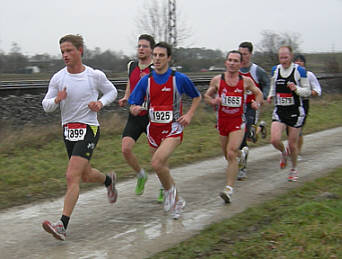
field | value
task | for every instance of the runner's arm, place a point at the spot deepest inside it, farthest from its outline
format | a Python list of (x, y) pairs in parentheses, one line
[(210, 95)]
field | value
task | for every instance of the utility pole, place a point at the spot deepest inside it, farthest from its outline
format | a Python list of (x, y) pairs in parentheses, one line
[(171, 25)]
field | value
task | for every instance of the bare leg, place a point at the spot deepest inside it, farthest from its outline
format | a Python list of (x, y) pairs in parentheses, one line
[(293, 142), (78, 168), (276, 131), (127, 145)]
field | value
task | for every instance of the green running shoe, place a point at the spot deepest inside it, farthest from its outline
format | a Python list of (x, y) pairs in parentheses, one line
[(139, 189), (161, 196)]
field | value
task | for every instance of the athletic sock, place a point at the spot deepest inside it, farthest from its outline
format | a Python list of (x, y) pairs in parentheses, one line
[(108, 181), (229, 188), (141, 173), (65, 220)]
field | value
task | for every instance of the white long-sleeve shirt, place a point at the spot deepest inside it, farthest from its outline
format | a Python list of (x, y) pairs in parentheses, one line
[(81, 89), (302, 83), (314, 84)]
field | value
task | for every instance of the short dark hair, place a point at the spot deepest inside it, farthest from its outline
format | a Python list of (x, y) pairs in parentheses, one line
[(286, 46), (76, 40), (149, 38), (166, 46), (300, 57), (236, 52), (248, 45)]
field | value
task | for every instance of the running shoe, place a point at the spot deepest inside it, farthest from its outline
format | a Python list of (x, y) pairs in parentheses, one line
[(160, 198), (252, 134), (112, 193), (243, 157), (283, 159), (226, 195), (140, 187), (56, 229), (169, 198), (242, 175), (178, 209), (293, 175), (263, 129)]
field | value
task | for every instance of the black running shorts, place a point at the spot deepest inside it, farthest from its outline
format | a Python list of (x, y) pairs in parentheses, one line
[(84, 147), (135, 126)]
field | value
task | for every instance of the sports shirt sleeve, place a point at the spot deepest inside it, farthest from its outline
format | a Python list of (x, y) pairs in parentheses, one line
[(106, 88), (315, 85), (139, 92), (264, 81), (303, 89), (272, 84), (48, 102), (185, 85)]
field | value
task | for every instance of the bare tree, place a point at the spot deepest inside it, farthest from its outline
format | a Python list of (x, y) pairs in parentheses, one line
[(270, 43), (153, 19)]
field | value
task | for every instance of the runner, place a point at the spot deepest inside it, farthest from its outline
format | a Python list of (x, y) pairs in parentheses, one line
[(262, 81), (288, 85), (228, 92), (75, 89), (315, 91), (163, 88), (136, 125)]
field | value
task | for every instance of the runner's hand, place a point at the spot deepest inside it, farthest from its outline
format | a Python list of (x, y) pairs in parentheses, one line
[(123, 101), (135, 109), (95, 106), (61, 95), (184, 120)]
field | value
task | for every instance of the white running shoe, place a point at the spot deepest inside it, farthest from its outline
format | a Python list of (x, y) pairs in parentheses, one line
[(242, 175), (56, 229), (170, 198), (226, 195), (293, 175), (178, 209), (243, 157)]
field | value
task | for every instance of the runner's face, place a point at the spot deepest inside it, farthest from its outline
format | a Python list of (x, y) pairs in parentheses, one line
[(233, 62), (285, 57), (246, 56), (144, 49), (160, 59), (70, 54), (299, 62)]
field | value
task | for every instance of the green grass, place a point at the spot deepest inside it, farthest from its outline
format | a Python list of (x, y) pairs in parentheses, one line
[(33, 160), (304, 223)]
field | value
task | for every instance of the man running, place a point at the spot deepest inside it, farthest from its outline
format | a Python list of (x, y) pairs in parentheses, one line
[(228, 92), (315, 91), (289, 84), (162, 89), (75, 89), (136, 125), (262, 81)]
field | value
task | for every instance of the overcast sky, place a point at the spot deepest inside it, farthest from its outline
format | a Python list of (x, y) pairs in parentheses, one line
[(37, 25)]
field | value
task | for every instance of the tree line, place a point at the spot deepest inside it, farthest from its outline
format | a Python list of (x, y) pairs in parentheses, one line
[(188, 59)]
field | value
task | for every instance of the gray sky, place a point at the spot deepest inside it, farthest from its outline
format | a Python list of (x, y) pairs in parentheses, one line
[(37, 25)]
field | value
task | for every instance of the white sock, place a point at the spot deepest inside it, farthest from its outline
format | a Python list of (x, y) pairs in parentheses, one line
[(141, 173), (229, 188)]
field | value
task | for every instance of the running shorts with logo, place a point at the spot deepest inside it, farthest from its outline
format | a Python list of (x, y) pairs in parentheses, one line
[(228, 125), (80, 139), (157, 133), (135, 126)]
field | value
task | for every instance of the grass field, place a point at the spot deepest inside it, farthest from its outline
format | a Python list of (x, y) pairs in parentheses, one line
[(33, 160), (304, 223)]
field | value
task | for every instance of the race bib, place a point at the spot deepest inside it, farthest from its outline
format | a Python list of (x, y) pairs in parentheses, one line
[(75, 131), (160, 115), (285, 99), (231, 101)]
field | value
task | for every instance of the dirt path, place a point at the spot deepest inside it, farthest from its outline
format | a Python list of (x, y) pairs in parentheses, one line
[(136, 227)]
